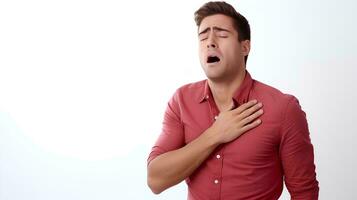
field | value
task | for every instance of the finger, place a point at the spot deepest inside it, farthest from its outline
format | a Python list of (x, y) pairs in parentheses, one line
[(250, 110), (244, 106), (251, 117), (251, 125)]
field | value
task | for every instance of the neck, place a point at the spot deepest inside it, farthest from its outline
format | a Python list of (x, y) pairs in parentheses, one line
[(223, 91)]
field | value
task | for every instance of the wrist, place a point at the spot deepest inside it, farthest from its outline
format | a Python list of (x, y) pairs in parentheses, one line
[(213, 137)]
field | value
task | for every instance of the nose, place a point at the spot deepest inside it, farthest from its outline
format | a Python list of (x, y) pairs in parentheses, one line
[(211, 43)]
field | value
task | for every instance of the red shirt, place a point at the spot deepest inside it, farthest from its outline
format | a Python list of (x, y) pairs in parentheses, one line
[(252, 166)]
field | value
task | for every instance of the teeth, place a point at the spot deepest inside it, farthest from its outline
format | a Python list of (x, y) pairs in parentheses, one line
[(212, 59)]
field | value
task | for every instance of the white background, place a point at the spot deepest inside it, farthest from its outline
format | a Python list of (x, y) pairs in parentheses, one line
[(84, 84)]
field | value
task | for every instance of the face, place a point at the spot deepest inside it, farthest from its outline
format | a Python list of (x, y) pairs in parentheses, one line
[(221, 54)]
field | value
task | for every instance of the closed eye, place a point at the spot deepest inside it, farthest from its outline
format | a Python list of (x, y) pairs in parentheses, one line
[(203, 36), (222, 34)]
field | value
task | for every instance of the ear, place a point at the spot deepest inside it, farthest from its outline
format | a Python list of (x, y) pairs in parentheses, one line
[(245, 47)]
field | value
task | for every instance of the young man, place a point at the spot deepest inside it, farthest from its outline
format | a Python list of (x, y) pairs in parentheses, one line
[(215, 133)]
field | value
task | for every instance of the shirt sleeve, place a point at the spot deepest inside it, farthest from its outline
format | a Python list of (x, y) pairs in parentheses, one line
[(172, 133), (297, 154)]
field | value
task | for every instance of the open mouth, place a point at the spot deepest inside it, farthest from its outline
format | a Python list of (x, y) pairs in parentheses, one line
[(212, 59)]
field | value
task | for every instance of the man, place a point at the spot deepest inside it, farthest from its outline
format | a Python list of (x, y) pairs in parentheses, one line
[(215, 133)]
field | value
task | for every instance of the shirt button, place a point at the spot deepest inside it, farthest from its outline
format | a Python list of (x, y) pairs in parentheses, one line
[(215, 117), (207, 97), (216, 181), (218, 156)]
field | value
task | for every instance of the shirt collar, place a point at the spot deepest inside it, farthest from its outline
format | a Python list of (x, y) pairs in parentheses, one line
[(240, 96)]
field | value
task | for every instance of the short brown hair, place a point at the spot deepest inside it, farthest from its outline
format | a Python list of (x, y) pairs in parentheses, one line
[(240, 23)]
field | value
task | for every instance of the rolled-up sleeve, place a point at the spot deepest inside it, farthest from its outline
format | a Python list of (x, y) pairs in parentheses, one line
[(297, 154), (172, 133)]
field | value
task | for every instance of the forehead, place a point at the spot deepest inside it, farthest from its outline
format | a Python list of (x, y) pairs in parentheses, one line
[(218, 20)]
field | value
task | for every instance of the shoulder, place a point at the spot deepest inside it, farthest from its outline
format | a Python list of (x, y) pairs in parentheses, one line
[(191, 91), (280, 104), (272, 94)]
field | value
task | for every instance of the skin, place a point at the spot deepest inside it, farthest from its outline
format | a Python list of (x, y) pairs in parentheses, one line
[(217, 36)]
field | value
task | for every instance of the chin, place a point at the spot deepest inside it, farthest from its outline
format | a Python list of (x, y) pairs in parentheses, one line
[(214, 77), (213, 72)]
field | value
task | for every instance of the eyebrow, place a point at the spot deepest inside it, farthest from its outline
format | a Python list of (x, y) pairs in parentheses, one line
[(214, 28)]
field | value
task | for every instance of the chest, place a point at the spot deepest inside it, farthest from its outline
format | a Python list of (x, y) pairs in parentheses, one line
[(254, 145)]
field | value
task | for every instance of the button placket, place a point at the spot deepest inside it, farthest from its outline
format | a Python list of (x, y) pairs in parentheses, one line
[(219, 164)]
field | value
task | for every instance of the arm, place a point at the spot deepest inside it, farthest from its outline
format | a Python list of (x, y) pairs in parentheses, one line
[(172, 167), (176, 164), (297, 154)]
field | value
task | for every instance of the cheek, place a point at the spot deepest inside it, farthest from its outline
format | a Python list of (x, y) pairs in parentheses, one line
[(232, 52), (201, 55), (200, 48)]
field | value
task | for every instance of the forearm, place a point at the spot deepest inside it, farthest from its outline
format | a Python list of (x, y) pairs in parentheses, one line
[(172, 167)]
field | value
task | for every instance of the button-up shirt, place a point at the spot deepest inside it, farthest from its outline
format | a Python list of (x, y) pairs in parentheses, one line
[(253, 166)]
